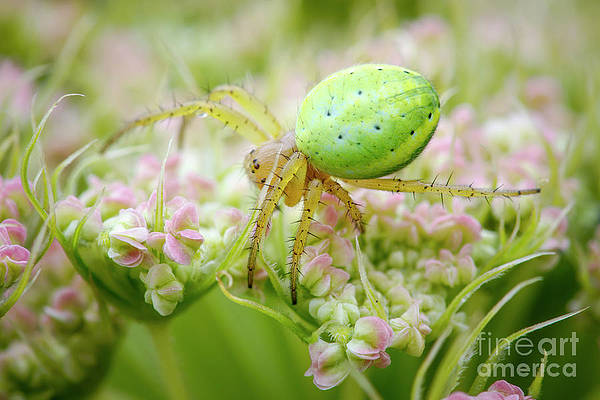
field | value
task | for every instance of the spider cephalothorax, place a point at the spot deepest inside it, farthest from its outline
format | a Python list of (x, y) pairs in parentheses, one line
[(357, 125)]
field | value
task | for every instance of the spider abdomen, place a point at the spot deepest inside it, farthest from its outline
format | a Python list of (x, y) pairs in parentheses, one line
[(367, 121)]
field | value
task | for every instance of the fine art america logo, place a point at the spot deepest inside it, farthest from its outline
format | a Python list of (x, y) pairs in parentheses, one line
[(554, 348)]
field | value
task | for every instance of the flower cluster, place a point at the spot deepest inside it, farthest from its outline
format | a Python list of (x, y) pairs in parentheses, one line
[(58, 338), (413, 259), (499, 390), (170, 251)]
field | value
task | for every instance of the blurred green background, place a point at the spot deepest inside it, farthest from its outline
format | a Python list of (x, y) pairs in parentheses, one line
[(128, 55)]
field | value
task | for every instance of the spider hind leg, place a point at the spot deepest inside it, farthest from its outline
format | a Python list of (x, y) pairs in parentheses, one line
[(334, 188)]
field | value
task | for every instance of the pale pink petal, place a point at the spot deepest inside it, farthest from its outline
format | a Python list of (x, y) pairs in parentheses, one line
[(372, 335), (459, 396), (131, 258), (133, 237), (14, 254), (191, 235), (383, 361), (506, 388), (156, 240), (176, 251)]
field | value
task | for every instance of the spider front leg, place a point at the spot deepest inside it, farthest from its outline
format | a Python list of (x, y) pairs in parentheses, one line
[(294, 167), (417, 186), (311, 201), (230, 117), (255, 108)]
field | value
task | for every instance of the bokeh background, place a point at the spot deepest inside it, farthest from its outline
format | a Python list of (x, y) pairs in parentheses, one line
[(130, 56)]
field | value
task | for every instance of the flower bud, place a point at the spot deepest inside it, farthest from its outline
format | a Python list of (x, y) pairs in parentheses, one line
[(163, 290), (410, 331), (343, 309), (320, 278)]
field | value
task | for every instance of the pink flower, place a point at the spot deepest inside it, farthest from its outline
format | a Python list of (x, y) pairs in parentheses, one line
[(16, 90), (454, 230), (371, 337), (329, 365), (500, 390), (199, 188), (181, 238), (12, 198), (117, 196), (450, 269), (12, 232), (13, 259), (542, 91), (320, 278), (148, 171), (66, 310), (429, 27), (126, 238), (594, 255), (70, 211)]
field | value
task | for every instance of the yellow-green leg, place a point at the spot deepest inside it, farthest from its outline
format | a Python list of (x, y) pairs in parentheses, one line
[(417, 186), (311, 201), (334, 188), (294, 167), (230, 117), (255, 108)]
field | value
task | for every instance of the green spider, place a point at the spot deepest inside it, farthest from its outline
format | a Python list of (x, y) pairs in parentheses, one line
[(357, 125)]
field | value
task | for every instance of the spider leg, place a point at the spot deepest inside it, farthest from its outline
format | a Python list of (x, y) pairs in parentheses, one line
[(311, 201), (255, 108), (417, 186), (295, 166), (334, 188), (240, 123)]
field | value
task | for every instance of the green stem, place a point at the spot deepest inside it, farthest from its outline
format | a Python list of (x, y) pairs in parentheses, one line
[(169, 366), (365, 384)]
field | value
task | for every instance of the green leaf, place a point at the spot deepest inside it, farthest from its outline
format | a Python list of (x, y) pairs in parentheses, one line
[(160, 193), (441, 324), (27, 157), (66, 162), (498, 352), (536, 386), (448, 369)]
